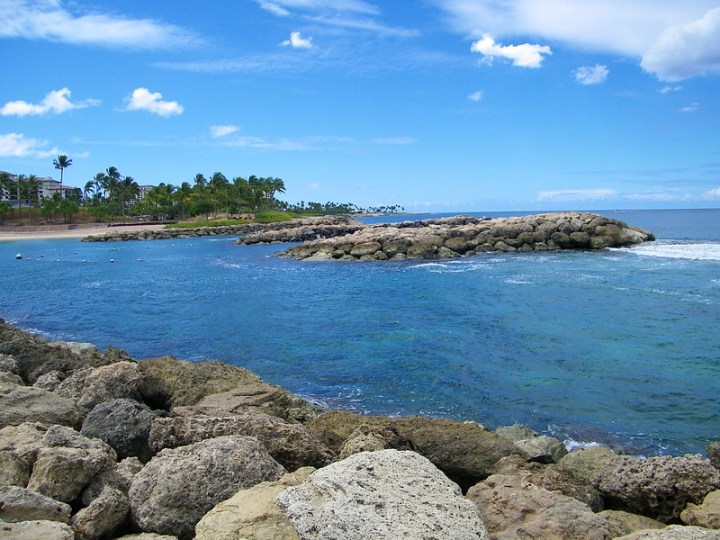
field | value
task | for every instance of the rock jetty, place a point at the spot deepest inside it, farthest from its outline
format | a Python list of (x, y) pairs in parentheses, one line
[(97, 445), (466, 235)]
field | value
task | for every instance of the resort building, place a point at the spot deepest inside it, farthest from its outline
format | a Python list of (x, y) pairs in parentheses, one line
[(46, 188)]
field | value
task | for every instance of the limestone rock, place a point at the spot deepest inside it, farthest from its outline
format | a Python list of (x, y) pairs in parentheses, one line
[(168, 382), (291, 445), (465, 452), (23, 441), (50, 381), (252, 513), (68, 463), (542, 449), (126, 471), (34, 530), (253, 397), (659, 487), (124, 424), (588, 465), (622, 523), (384, 494), (20, 504), (713, 453), (8, 379), (178, 486), (706, 514), (368, 439), (104, 512), (115, 381), (673, 532), (516, 510), (9, 364), (13, 471), (20, 404), (147, 536), (516, 432)]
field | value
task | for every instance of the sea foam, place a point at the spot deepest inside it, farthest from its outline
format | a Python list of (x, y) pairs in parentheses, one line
[(696, 251)]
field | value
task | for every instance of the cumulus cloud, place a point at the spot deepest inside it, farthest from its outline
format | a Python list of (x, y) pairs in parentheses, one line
[(476, 96), (525, 55), (675, 40), (589, 75), (57, 101), (296, 41), (222, 131), (51, 20), (576, 194), (686, 50), (142, 99), (713, 193), (20, 146)]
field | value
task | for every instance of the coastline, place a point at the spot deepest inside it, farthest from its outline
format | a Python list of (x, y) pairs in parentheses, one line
[(58, 232)]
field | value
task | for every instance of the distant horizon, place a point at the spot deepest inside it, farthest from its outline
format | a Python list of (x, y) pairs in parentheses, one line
[(432, 106)]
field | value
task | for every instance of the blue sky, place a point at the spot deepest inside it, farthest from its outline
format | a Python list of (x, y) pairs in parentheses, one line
[(435, 105)]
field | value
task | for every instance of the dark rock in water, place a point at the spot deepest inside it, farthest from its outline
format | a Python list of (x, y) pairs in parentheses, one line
[(172, 492), (465, 235), (124, 424)]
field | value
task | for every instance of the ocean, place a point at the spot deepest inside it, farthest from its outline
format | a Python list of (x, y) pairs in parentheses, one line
[(619, 347)]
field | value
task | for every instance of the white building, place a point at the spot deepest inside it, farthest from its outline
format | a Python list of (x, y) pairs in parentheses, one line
[(47, 187)]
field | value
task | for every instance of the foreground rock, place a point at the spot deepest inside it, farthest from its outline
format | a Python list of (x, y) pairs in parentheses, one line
[(385, 494), (178, 486), (466, 235)]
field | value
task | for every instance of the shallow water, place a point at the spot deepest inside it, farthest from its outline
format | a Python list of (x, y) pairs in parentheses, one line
[(618, 346)]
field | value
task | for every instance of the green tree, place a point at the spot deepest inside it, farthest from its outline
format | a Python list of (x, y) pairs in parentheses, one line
[(62, 162), (50, 207), (5, 210), (67, 208)]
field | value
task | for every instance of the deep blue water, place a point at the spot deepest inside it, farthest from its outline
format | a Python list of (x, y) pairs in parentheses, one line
[(619, 346)]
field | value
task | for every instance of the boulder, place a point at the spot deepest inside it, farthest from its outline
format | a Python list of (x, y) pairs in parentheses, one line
[(178, 486), (34, 530), (367, 439), (21, 504), (106, 508), (622, 523), (542, 449), (9, 364), (23, 441), (252, 513), (464, 451), (68, 462), (20, 404), (384, 494), (252, 397), (513, 509), (291, 445), (588, 465), (706, 514), (13, 471), (658, 487), (673, 532), (147, 536), (126, 471), (8, 379), (168, 382), (120, 380), (713, 453), (124, 424), (50, 381)]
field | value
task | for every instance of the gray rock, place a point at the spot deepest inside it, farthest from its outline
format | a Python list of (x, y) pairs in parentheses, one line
[(178, 486), (21, 504), (513, 509), (23, 441), (516, 432), (68, 463), (713, 453), (542, 449), (673, 532), (124, 424), (115, 381), (34, 530), (622, 523), (13, 471), (149, 536), (50, 381), (9, 364), (20, 404), (658, 487), (384, 494), (588, 465), (106, 509), (252, 513), (291, 445), (706, 514), (8, 379), (126, 471)]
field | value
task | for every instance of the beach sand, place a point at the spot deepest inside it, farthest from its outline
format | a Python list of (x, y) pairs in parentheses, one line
[(80, 231)]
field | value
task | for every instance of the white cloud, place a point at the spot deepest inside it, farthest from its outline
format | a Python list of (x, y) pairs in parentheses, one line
[(398, 141), (668, 89), (589, 75), (283, 7), (222, 131), (57, 101), (476, 96), (51, 20), (676, 40), (314, 185), (274, 8), (142, 99), (686, 50), (17, 145), (690, 108), (576, 194), (713, 193), (525, 55), (296, 41)]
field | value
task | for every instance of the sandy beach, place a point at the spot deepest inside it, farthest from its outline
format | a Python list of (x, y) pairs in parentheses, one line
[(7, 234)]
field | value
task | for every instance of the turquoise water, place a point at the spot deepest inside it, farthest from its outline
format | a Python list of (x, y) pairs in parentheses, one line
[(618, 346)]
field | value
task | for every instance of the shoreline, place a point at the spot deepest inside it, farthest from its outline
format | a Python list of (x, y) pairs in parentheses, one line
[(55, 232)]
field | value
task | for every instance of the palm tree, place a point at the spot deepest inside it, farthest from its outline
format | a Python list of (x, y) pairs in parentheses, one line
[(129, 190), (62, 162)]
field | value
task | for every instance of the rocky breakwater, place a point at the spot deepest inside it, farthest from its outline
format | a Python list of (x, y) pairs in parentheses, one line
[(96, 445), (295, 230), (465, 235)]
